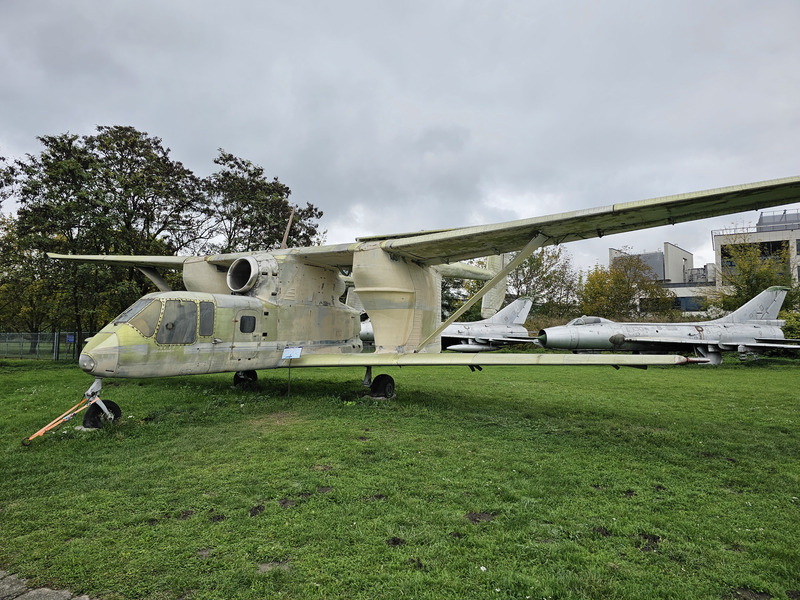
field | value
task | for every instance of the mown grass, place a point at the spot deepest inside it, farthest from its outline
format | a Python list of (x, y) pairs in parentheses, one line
[(508, 483)]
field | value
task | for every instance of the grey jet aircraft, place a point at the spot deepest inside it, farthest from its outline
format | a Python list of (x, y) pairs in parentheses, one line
[(749, 330)]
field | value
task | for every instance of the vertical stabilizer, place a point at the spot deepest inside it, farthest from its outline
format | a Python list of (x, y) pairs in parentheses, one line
[(515, 313), (493, 300), (764, 307)]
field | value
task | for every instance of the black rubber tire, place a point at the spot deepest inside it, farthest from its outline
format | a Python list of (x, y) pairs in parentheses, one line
[(95, 418), (382, 386), (245, 378)]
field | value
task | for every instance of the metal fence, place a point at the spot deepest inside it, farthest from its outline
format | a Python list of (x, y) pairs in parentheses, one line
[(61, 345)]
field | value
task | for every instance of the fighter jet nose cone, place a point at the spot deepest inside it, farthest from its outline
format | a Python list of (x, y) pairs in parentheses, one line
[(87, 363)]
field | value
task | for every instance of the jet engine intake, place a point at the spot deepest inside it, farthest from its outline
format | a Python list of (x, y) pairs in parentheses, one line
[(242, 274)]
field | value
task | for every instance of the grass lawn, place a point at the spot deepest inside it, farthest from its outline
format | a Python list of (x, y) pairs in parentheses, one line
[(551, 482)]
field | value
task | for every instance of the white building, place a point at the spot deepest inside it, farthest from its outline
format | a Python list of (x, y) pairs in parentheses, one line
[(774, 232)]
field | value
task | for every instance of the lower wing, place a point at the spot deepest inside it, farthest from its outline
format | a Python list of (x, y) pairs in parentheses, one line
[(482, 360)]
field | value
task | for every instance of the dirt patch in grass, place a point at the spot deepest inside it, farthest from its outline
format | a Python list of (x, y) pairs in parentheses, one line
[(286, 503), (256, 510), (651, 542), (216, 517), (395, 541), (746, 594), (276, 419), (479, 517), (600, 530), (282, 565)]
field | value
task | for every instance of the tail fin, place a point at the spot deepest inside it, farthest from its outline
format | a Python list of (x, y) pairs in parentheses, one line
[(515, 313), (764, 307), (493, 300)]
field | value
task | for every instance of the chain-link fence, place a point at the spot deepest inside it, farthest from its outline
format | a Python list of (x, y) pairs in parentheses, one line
[(62, 345)]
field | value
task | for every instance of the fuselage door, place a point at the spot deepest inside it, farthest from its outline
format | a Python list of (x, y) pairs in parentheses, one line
[(246, 335)]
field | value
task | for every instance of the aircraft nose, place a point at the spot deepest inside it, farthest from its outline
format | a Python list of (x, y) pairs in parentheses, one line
[(99, 357), (542, 338), (87, 363)]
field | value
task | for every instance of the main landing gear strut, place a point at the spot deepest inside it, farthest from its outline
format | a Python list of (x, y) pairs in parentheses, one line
[(98, 412), (380, 387)]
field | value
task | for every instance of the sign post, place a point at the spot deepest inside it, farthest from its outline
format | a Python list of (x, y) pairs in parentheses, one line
[(289, 354)]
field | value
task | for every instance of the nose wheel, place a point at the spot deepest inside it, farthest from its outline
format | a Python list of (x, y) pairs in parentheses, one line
[(95, 417)]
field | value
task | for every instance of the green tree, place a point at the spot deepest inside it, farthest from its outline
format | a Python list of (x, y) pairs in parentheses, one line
[(748, 269), (25, 296), (154, 204), (250, 212), (547, 277), (116, 192), (624, 290)]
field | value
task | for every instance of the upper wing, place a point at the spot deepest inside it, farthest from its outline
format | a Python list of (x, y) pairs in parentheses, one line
[(470, 242), (481, 360), (171, 262), (449, 245)]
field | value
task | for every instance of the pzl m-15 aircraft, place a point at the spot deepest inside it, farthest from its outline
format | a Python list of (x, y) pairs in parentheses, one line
[(281, 308), (752, 328)]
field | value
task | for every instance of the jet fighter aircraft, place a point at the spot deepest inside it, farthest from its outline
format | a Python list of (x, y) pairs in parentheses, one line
[(752, 328), (278, 308)]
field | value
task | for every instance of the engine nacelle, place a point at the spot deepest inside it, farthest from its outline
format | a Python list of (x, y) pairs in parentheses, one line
[(242, 274)]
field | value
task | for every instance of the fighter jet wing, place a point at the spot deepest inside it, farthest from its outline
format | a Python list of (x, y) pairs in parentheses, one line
[(482, 360), (502, 339), (669, 341), (768, 346)]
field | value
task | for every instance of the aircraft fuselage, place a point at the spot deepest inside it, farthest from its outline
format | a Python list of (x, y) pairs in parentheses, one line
[(616, 336), (276, 304)]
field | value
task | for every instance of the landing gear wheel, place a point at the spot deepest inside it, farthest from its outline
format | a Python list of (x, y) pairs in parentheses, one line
[(245, 378), (382, 386), (95, 418)]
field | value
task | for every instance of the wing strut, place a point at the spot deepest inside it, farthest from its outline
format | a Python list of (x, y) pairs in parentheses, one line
[(529, 248)]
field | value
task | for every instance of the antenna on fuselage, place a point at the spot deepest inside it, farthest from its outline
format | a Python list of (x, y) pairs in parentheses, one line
[(286, 233)]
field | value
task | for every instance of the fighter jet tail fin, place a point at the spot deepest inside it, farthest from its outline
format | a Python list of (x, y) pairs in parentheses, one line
[(515, 313), (764, 307)]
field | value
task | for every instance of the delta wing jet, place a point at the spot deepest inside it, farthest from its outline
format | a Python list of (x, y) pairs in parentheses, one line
[(749, 330), (282, 308)]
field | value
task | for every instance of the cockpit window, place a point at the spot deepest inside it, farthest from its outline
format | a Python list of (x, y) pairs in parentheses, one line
[(584, 320), (179, 323), (146, 320), (132, 310)]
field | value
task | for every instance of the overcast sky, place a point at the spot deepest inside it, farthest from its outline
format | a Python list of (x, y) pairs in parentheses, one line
[(400, 116)]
